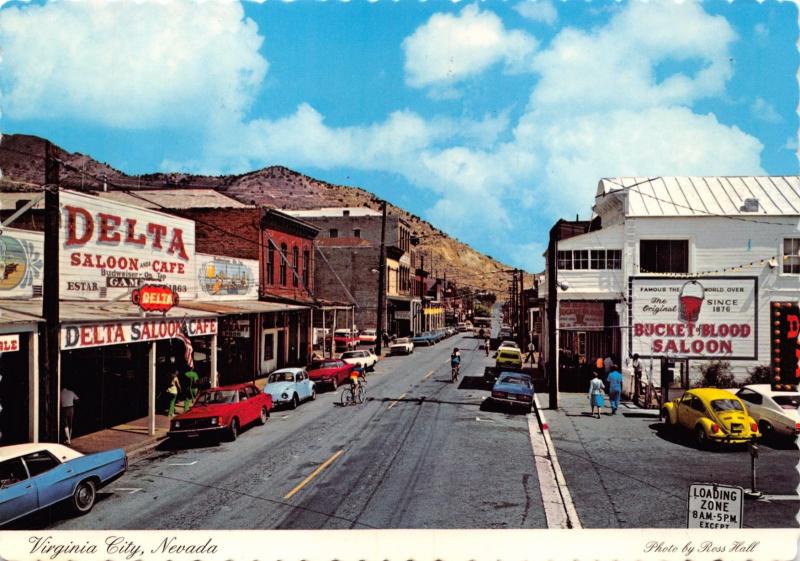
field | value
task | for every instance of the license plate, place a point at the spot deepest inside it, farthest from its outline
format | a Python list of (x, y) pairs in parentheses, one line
[(191, 434), (735, 427)]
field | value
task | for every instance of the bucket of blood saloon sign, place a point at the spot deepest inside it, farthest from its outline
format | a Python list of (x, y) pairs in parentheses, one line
[(703, 318), (108, 249)]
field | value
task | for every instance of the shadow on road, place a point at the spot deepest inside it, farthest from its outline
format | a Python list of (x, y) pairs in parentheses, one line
[(474, 383), (491, 405), (675, 435)]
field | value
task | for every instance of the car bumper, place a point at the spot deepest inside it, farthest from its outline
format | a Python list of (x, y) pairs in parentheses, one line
[(513, 400), (733, 439), (197, 432)]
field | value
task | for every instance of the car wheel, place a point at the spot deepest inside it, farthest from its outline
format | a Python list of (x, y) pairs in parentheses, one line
[(334, 384), (766, 429), (293, 405), (313, 394), (84, 496), (233, 430), (262, 418), (701, 438)]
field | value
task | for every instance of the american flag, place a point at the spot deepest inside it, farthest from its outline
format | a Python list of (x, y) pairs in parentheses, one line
[(187, 355)]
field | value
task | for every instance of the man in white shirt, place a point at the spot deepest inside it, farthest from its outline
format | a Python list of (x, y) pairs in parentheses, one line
[(531, 350), (68, 399)]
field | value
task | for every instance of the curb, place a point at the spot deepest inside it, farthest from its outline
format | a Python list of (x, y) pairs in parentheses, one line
[(139, 451)]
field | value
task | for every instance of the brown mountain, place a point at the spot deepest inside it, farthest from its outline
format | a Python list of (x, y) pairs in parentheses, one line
[(22, 165)]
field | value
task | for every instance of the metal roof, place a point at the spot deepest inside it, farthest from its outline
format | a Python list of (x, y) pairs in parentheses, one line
[(173, 198), (703, 196), (240, 306), (331, 212)]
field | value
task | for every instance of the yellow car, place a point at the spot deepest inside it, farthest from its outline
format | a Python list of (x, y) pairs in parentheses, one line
[(713, 415), (509, 358)]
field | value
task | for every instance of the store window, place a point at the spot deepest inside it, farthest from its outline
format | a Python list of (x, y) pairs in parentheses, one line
[(306, 259), (791, 256), (598, 258), (664, 256), (356, 232), (271, 263), (565, 260), (295, 266), (614, 259), (334, 232), (269, 346), (284, 251), (580, 259)]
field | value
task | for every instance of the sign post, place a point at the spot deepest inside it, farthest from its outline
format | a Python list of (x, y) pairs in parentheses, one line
[(715, 506)]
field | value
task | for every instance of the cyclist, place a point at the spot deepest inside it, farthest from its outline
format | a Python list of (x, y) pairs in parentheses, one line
[(455, 361), (356, 379)]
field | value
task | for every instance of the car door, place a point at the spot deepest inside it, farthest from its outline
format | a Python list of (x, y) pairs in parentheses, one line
[(246, 414), (54, 481), (754, 402), (299, 387), (685, 410), (17, 491)]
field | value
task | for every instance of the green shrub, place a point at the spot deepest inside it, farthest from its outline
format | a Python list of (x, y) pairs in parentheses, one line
[(759, 375), (716, 374)]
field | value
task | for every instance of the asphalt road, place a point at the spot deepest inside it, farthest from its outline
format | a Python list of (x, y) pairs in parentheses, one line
[(420, 453), (625, 471)]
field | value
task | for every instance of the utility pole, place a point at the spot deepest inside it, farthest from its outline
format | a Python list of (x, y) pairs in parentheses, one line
[(552, 318), (50, 300), (381, 284)]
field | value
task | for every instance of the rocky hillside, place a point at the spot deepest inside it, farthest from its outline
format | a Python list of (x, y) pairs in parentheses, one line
[(22, 165)]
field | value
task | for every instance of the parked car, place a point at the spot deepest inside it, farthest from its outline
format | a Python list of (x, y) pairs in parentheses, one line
[(401, 346), (37, 475), (345, 339), (365, 358), (368, 336), (290, 386), (776, 412), (463, 326), (515, 389), (331, 371), (508, 344), (425, 338), (712, 415), (509, 357), (223, 411)]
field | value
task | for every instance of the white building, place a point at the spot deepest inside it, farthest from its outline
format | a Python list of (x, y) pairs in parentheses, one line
[(679, 267)]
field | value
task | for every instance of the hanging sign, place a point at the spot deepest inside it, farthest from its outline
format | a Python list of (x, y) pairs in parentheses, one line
[(155, 298), (704, 318), (785, 318), (236, 328), (81, 336), (109, 248), (9, 343)]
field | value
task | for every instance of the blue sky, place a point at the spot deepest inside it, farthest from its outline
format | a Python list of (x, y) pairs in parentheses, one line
[(490, 119)]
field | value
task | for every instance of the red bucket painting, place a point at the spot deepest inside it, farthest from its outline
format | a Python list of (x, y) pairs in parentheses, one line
[(690, 301)]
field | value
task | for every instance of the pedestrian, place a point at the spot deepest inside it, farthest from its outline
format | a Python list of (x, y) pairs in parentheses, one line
[(486, 345), (386, 339), (531, 350), (596, 394), (637, 376), (68, 400), (191, 388), (173, 390), (614, 388)]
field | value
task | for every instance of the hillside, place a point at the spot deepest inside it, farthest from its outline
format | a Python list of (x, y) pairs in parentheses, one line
[(22, 165)]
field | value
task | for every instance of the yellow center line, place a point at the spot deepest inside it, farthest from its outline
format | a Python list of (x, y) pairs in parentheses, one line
[(396, 401), (428, 375), (315, 473)]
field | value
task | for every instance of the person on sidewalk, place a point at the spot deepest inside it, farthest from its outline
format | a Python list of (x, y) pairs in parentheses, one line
[(637, 376), (68, 399), (486, 345), (531, 350), (614, 388), (173, 390), (596, 394), (191, 388)]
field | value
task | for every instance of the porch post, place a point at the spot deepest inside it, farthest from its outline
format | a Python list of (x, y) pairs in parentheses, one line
[(33, 386), (333, 332), (151, 390), (214, 375)]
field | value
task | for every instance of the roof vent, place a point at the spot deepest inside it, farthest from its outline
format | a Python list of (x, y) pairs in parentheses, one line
[(750, 205), (346, 212)]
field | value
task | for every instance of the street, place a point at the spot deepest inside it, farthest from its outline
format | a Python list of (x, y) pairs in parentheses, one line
[(423, 453)]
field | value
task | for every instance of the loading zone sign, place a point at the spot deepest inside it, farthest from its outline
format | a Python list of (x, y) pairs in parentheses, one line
[(715, 506)]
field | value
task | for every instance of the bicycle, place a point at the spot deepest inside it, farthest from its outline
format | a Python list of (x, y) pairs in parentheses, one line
[(454, 372), (353, 396)]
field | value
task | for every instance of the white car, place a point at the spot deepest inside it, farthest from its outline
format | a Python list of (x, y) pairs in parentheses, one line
[(368, 336), (775, 412), (508, 344), (366, 358), (401, 346)]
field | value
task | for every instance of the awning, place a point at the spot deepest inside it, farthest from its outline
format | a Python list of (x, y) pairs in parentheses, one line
[(12, 320), (233, 307), (81, 312)]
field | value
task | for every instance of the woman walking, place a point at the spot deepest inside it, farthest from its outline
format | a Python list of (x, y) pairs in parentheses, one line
[(173, 390), (596, 394)]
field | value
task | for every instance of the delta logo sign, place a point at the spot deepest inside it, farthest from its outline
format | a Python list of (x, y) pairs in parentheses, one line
[(155, 298)]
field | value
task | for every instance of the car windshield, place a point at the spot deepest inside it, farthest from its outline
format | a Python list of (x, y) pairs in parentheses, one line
[(352, 354), (726, 405), (515, 380), (329, 364), (508, 344), (787, 401), (401, 341), (217, 396), (281, 377), (341, 332)]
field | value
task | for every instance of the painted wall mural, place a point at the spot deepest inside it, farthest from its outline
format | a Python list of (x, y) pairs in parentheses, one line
[(21, 263), (226, 278)]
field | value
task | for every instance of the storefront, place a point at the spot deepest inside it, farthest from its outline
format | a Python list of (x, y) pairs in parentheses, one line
[(19, 378)]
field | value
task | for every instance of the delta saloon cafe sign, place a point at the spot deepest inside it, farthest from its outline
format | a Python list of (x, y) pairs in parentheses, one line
[(81, 336), (108, 249), (704, 318)]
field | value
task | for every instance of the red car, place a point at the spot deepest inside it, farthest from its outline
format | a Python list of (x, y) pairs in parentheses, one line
[(223, 411), (345, 339), (331, 371)]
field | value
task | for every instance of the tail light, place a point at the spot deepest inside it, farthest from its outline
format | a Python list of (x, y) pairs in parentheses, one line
[(498, 394), (753, 427), (714, 428), (797, 427)]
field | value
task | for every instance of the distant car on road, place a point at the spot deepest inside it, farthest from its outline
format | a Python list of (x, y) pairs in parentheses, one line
[(345, 339), (368, 336), (36, 475), (223, 411), (509, 357), (508, 344), (331, 371), (776, 412), (365, 358), (401, 346), (290, 386), (712, 415), (515, 389), (425, 338)]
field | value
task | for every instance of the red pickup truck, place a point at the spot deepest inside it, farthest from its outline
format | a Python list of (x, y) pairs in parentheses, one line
[(345, 339)]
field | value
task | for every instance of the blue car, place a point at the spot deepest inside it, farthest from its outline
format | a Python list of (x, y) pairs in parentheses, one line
[(514, 389), (290, 386), (37, 475), (426, 338)]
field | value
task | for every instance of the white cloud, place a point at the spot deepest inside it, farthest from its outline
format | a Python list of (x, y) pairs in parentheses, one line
[(538, 10), (763, 110), (129, 64), (449, 48)]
